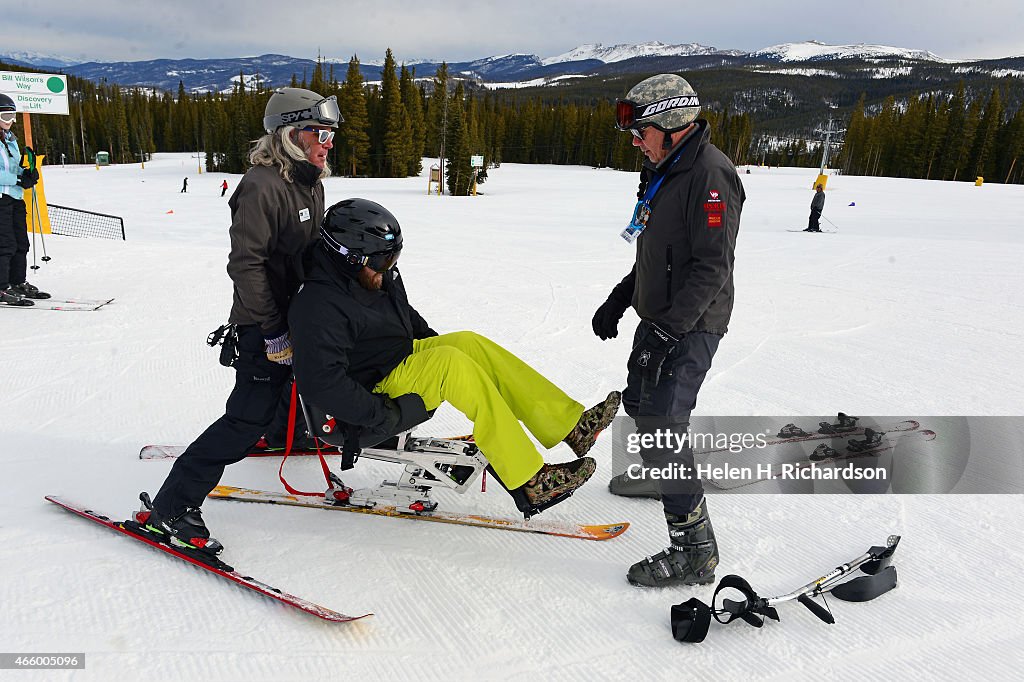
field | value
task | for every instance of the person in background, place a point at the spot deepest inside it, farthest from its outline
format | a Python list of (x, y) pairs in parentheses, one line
[(14, 180), (223, 187), (275, 218), (184, 186), (817, 206), (681, 285)]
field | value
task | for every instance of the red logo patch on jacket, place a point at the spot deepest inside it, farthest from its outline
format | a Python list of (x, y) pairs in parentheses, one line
[(714, 209)]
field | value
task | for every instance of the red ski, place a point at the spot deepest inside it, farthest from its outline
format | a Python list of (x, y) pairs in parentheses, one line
[(211, 564)]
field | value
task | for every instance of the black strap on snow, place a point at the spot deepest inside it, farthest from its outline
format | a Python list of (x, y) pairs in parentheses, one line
[(691, 620), (751, 609)]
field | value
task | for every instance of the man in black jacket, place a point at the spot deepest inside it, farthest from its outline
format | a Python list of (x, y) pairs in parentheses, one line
[(360, 346), (275, 213), (684, 226)]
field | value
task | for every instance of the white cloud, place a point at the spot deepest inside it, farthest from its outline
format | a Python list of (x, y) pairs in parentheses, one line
[(112, 31)]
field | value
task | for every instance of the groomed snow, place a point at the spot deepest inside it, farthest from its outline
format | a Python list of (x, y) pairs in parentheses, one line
[(913, 307)]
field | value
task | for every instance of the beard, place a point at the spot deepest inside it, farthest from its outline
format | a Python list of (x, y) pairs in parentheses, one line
[(371, 280)]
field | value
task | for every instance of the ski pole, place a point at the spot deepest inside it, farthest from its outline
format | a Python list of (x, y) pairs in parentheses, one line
[(36, 220), (831, 223)]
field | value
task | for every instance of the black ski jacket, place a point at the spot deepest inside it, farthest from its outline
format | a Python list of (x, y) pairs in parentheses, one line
[(347, 339), (682, 279), (818, 202)]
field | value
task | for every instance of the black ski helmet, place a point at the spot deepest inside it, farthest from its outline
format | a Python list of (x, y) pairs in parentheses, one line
[(358, 232), (6, 103)]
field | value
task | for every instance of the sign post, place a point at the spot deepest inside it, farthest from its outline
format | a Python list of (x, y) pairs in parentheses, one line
[(36, 93)]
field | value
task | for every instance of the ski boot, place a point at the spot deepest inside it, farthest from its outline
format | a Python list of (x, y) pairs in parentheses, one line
[(29, 291), (872, 439), (184, 531), (625, 485), (822, 452), (558, 480), (690, 559), (844, 423), (792, 431), (593, 422), (9, 296)]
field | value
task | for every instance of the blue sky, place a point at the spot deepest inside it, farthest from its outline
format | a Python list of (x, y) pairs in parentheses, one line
[(105, 30)]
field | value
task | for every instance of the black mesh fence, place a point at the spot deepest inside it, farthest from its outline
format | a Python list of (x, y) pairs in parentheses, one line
[(74, 222)]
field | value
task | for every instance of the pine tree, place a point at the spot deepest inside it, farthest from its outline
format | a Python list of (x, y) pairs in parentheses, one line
[(396, 142), (982, 160), (436, 112), (411, 100), (355, 131), (458, 169)]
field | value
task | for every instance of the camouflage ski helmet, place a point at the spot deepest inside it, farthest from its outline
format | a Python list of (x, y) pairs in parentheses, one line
[(666, 101), (299, 107)]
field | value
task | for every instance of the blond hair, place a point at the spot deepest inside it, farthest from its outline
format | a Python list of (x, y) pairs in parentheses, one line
[(281, 149)]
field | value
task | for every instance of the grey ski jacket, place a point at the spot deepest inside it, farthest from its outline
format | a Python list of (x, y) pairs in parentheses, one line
[(272, 224)]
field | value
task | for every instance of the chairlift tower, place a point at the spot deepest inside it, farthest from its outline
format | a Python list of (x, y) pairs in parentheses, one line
[(822, 177)]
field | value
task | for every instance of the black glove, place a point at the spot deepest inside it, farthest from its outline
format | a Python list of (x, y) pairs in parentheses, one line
[(650, 352), (606, 319), (29, 177)]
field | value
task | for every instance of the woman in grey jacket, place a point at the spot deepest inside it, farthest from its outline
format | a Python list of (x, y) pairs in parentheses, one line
[(275, 216)]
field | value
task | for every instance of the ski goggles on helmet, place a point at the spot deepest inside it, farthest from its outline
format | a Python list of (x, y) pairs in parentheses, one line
[(381, 261), (630, 114), (325, 112), (322, 136), (8, 116)]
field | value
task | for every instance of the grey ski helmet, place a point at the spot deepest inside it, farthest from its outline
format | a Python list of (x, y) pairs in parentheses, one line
[(358, 232), (299, 107), (666, 101), (6, 103)]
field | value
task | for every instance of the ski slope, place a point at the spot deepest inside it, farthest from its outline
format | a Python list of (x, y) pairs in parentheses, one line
[(913, 307)]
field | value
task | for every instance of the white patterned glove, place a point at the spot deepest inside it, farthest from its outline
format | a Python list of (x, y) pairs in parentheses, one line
[(279, 349)]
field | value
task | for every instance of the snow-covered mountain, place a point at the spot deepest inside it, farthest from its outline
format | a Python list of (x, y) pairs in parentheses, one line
[(812, 50), (37, 59), (594, 59), (622, 52)]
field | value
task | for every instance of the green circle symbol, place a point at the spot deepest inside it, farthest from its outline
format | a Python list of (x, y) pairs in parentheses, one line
[(55, 85)]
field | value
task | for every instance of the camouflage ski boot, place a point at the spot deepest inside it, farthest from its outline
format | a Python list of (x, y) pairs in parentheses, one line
[(558, 480), (593, 422)]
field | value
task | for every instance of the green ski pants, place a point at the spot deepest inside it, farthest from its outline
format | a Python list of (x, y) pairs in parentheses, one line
[(496, 391)]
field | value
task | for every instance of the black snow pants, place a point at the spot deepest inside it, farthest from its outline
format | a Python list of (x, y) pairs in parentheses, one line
[(667, 405), (257, 405)]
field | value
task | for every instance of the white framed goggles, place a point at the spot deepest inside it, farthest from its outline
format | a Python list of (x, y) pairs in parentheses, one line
[(322, 136), (8, 116)]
